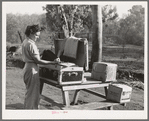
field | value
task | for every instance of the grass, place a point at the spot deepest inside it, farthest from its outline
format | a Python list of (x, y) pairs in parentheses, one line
[(134, 56)]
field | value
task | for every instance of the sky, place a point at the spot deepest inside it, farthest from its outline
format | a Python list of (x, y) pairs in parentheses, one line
[(36, 7)]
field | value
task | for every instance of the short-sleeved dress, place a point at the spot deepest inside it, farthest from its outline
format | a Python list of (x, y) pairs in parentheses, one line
[(31, 74)]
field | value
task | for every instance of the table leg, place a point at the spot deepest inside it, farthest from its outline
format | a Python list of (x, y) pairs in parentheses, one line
[(124, 104), (110, 108), (41, 86), (66, 100), (106, 91), (76, 96)]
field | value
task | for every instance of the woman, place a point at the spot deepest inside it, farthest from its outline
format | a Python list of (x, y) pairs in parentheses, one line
[(31, 57)]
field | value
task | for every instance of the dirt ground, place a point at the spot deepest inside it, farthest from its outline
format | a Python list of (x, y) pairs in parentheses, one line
[(15, 93)]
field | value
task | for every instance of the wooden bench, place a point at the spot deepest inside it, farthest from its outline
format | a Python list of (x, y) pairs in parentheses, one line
[(85, 86), (93, 106)]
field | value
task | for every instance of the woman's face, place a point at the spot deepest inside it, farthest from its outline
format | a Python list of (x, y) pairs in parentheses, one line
[(37, 34)]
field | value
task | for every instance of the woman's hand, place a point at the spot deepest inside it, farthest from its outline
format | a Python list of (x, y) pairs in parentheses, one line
[(57, 60)]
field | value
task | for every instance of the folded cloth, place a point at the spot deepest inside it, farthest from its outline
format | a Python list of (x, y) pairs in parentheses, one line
[(71, 46)]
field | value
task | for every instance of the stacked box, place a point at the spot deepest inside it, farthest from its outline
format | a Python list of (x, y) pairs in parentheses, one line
[(119, 93), (104, 71), (64, 73)]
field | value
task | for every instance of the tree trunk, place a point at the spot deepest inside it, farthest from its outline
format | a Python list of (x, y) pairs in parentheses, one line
[(65, 27), (61, 33), (90, 35), (96, 54), (20, 37), (72, 18)]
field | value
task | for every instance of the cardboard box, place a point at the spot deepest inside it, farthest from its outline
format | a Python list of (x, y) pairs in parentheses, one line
[(119, 93), (104, 71)]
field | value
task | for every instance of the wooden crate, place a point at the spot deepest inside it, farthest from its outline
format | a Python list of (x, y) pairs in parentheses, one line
[(119, 93)]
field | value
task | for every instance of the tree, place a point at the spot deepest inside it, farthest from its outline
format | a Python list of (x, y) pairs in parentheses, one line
[(11, 28), (69, 19), (132, 26), (19, 22), (109, 12), (61, 20)]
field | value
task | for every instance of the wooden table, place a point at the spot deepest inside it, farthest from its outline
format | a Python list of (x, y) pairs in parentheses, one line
[(85, 86)]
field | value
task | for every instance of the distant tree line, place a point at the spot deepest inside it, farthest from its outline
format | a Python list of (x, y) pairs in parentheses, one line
[(18, 23), (129, 29), (73, 20)]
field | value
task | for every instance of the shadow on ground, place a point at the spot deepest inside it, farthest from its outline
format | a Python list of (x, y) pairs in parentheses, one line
[(15, 106)]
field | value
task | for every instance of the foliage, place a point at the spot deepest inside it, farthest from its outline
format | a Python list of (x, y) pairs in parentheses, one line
[(18, 22), (127, 30), (76, 18), (63, 19), (109, 12), (136, 22), (11, 27)]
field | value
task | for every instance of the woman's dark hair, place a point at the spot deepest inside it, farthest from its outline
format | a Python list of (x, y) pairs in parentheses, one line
[(33, 29)]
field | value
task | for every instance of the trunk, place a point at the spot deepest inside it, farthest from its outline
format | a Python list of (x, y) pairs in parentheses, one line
[(90, 35), (48, 18), (71, 25), (20, 37), (61, 33), (65, 27), (96, 54)]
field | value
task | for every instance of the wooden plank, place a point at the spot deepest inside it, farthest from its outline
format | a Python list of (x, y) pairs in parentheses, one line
[(91, 106), (83, 86), (51, 101), (70, 83), (95, 93), (50, 82), (76, 96)]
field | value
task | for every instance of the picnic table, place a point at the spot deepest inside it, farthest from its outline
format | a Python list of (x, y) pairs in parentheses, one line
[(86, 85)]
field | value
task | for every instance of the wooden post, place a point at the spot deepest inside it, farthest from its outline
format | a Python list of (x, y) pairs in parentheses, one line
[(99, 19), (96, 55)]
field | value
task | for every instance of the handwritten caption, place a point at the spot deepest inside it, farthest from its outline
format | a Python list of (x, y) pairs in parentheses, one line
[(59, 112)]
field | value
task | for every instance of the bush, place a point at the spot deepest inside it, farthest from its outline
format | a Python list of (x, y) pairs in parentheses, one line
[(8, 45)]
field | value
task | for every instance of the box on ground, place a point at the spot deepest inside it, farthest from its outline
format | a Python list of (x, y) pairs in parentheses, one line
[(64, 73), (119, 93), (104, 71)]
